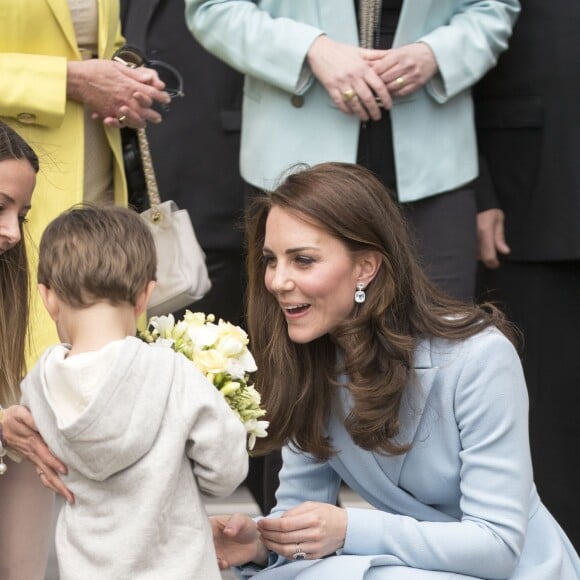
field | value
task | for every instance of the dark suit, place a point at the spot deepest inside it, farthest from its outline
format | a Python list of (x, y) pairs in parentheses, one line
[(528, 117), (196, 149)]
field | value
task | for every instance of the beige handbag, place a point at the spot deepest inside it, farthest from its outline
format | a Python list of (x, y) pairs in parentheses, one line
[(182, 276)]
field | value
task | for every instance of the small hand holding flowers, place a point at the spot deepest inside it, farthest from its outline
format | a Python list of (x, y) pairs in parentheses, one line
[(219, 350)]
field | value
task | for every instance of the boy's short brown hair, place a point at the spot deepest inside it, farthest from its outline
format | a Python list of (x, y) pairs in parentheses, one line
[(90, 255)]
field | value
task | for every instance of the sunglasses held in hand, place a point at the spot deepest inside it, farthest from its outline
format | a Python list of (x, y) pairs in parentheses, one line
[(132, 57)]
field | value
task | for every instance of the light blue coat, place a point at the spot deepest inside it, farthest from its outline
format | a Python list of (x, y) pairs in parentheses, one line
[(461, 503), (433, 129)]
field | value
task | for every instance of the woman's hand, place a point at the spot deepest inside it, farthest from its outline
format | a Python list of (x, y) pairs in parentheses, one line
[(22, 436), (113, 91), (405, 69), (237, 541), (349, 78), (318, 528)]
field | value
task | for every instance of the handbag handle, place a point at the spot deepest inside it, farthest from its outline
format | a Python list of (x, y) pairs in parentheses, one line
[(149, 172)]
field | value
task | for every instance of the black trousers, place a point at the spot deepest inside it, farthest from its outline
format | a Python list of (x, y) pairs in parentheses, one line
[(543, 300)]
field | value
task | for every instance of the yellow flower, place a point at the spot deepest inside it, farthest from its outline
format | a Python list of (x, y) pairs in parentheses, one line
[(221, 353), (210, 361)]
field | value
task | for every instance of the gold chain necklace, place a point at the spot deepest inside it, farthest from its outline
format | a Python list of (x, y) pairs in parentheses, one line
[(369, 13)]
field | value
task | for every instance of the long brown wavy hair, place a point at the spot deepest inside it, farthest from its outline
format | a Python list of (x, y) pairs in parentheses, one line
[(298, 381), (14, 286)]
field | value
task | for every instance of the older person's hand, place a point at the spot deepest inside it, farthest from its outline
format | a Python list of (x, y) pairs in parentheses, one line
[(120, 95), (21, 435), (405, 69), (349, 78)]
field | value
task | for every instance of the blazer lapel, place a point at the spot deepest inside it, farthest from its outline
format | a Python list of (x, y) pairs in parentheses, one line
[(61, 11), (411, 412), (411, 21), (136, 17), (338, 18), (376, 476), (412, 407)]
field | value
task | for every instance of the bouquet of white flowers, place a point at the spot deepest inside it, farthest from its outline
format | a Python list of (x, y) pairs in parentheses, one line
[(220, 352)]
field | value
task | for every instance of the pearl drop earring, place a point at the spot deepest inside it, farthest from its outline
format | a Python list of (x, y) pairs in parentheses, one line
[(360, 295)]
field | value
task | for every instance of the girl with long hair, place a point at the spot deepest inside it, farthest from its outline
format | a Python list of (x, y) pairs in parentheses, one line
[(25, 505)]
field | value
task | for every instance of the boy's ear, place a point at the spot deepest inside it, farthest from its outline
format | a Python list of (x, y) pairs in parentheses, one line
[(144, 297), (49, 300)]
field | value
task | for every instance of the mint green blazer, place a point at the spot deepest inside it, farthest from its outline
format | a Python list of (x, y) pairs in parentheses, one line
[(433, 129)]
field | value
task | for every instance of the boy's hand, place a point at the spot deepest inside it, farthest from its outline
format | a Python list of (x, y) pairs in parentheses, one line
[(22, 436)]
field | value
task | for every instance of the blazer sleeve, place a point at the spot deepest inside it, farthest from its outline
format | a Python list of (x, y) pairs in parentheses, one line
[(33, 84), (253, 42), (491, 408), (485, 194), (467, 47)]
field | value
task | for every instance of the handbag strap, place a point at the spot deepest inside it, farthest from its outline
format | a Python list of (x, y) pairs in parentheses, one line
[(149, 172)]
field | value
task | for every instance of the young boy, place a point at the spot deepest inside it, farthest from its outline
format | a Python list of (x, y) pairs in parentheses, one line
[(141, 430)]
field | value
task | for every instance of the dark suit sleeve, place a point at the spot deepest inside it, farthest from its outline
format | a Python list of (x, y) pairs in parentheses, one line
[(485, 194)]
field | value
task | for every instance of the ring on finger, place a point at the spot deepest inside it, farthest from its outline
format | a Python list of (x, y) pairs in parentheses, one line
[(400, 81), (348, 95), (122, 119), (298, 554)]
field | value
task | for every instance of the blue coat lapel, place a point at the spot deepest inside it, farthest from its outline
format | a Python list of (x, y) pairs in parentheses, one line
[(382, 492), (412, 407)]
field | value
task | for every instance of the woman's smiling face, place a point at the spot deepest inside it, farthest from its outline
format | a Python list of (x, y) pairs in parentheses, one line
[(311, 274), (17, 180)]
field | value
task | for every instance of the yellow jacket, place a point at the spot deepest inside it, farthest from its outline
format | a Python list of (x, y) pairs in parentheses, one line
[(37, 39)]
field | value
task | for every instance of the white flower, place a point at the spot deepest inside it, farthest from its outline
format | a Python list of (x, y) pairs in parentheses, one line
[(255, 429), (220, 352), (203, 336), (163, 325), (247, 361), (229, 345)]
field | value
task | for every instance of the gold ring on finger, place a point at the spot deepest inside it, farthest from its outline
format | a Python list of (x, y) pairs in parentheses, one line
[(400, 81), (122, 119), (348, 94)]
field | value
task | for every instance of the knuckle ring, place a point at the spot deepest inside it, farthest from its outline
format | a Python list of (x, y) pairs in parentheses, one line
[(348, 94), (298, 554), (400, 81), (122, 119)]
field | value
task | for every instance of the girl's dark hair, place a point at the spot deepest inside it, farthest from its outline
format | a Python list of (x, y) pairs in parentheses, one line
[(14, 286), (298, 381)]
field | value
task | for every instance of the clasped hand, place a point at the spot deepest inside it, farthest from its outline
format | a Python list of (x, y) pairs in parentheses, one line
[(319, 528), (375, 76), (113, 91)]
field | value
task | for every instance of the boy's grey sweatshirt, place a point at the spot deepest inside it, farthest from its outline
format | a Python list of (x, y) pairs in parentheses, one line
[(140, 443)]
